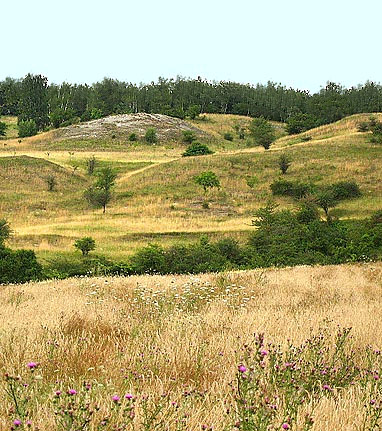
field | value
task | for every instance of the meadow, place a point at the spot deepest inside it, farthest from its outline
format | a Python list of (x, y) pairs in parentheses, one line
[(295, 348), (156, 199)]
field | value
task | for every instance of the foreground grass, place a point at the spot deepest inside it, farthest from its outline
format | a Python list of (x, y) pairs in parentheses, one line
[(175, 343)]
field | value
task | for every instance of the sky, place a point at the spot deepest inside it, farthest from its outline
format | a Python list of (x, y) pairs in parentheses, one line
[(298, 43)]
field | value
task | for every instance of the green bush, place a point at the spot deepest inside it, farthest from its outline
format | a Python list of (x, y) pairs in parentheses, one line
[(133, 137), (188, 136), (149, 259), (345, 190), (62, 117), (228, 136), (85, 245), (293, 189), (376, 217), (197, 149), (193, 111), (151, 136), (207, 180), (19, 266), (284, 161), (27, 128), (64, 266), (363, 126)]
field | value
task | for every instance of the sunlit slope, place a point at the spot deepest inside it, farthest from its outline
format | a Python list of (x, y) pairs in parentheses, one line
[(156, 198)]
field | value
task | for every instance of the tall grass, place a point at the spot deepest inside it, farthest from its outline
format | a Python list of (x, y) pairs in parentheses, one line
[(174, 346)]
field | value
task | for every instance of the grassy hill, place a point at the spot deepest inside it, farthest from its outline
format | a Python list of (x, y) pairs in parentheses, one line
[(178, 341), (156, 198)]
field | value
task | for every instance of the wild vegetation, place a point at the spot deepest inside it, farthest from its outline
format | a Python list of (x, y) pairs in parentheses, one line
[(245, 177), (291, 349)]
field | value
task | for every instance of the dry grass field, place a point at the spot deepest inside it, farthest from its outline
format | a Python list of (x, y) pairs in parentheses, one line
[(72, 347)]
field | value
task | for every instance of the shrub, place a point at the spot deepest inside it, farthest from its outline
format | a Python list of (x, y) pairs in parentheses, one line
[(151, 136), (207, 180), (85, 244), (197, 149), (188, 136), (306, 138), (326, 199), (376, 129), (230, 249), (363, 126), (262, 132), (91, 164), (252, 181), (307, 212), (19, 266), (63, 266), (284, 162), (228, 136), (51, 182), (27, 128), (193, 111), (293, 189), (376, 217), (133, 137), (62, 117), (345, 190), (149, 259), (96, 114)]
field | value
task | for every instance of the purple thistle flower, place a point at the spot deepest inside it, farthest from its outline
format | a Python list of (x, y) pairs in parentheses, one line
[(31, 365), (128, 396), (115, 398), (326, 388), (285, 426), (17, 422), (72, 392), (263, 352), (242, 368)]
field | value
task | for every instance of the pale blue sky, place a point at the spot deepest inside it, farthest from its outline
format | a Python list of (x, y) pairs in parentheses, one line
[(300, 43)]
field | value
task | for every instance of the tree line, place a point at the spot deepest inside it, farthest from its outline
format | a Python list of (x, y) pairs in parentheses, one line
[(33, 98)]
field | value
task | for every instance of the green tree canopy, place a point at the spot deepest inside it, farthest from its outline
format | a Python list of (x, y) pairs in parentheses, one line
[(262, 132)]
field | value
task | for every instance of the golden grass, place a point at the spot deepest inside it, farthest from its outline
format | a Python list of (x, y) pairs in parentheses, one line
[(161, 197), (149, 335)]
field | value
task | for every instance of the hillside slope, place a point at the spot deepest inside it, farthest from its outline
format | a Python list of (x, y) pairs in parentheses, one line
[(156, 198)]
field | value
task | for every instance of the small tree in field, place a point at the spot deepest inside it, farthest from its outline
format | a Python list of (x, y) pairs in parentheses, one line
[(100, 194), (85, 244), (284, 163), (207, 180), (51, 182), (262, 132), (91, 164), (326, 199), (151, 136)]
